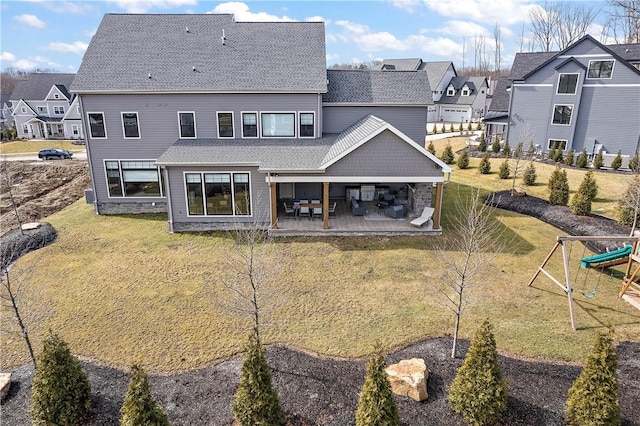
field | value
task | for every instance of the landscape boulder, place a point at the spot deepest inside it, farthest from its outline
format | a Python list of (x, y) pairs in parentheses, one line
[(409, 378), (5, 383)]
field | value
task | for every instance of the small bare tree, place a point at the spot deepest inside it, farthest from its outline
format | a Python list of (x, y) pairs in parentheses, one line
[(7, 183), (543, 21), (623, 22), (474, 242)]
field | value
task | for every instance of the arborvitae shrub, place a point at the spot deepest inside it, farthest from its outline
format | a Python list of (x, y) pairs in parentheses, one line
[(376, 405), (624, 209), (504, 170), (583, 160), (558, 187), (447, 154), (443, 129), (568, 159), (431, 148), (589, 186), (557, 155), (617, 162), (478, 391), (495, 147), (634, 163), (451, 129), (529, 177), (463, 159), (256, 402), (460, 128), (485, 164), (598, 161), (60, 392), (593, 398), (469, 127), (506, 149), (580, 204), (482, 146), (479, 126), (551, 154), (139, 408)]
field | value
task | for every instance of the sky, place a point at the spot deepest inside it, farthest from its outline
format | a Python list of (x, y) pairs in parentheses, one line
[(55, 34)]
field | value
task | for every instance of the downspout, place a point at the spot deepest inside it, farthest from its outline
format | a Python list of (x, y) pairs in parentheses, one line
[(165, 172), (269, 186), (88, 150)]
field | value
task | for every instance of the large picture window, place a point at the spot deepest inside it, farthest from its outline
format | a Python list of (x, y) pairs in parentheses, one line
[(307, 128), (218, 194), (187, 122), (96, 125), (130, 125), (133, 179), (567, 84), (225, 125), (557, 144), (562, 114), (278, 125), (600, 69), (249, 125)]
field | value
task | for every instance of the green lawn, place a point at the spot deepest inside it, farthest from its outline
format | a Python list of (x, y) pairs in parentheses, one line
[(123, 290), (18, 147)]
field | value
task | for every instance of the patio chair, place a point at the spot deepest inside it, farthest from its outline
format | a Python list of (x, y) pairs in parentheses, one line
[(304, 209), (289, 211), (425, 217), (317, 212), (332, 210)]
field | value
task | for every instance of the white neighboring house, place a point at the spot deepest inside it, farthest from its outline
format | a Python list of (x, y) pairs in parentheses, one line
[(43, 108), (463, 100)]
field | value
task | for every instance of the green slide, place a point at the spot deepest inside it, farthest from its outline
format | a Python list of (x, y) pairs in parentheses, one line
[(590, 261)]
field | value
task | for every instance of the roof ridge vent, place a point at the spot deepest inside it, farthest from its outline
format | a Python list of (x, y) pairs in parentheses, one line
[(224, 39), (186, 28)]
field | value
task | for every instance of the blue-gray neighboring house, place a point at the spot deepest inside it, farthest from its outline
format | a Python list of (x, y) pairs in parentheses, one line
[(222, 124), (584, 97)]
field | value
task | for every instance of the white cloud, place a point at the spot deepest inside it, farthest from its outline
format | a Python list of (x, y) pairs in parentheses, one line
[(463, 29), (143, 6), (242, 13), (76, 47), (60, 6), (25, 64), (7, 56), (30, 20), (332, 57), (406, 5), (506, 12), (317, 18)]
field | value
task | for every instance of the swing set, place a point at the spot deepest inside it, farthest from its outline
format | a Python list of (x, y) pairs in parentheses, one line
[(629, 253)]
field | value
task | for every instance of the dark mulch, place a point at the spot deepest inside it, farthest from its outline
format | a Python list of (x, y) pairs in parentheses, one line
[(15, 243)]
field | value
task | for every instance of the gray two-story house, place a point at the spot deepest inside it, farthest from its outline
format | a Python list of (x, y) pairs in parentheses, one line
[(586, 96), (221, 123)]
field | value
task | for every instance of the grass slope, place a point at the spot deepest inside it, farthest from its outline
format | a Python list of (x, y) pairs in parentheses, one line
[(21, 147)]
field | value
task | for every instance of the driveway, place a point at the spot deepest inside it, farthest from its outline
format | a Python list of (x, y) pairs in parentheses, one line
[(77, 155)]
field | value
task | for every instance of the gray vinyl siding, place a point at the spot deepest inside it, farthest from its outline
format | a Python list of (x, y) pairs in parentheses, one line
[(385, 155), (259, 196), (158, 123), (411, 121)]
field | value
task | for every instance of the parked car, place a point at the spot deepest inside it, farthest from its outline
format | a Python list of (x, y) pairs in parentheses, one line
[(54, 153)]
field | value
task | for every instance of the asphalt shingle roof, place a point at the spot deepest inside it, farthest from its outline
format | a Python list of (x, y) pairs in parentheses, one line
[(378, 87), (187, 53), (500, 100), (474, 84), (436, 71), (37, 86), (406, 64)]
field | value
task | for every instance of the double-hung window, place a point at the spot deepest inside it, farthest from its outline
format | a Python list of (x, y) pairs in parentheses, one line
[(600, 69), (134, 178), (130, 126), (97, 125), (249, 125), (218, 194), (307, 127), (187, 123), (58, 110), (278, 124), (562, 114), (225, 124), (567, 84)]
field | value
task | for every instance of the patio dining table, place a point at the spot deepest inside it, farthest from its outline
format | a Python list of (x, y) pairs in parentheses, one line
[(297, 205)]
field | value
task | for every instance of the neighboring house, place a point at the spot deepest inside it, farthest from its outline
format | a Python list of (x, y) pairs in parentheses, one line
[(218, 122), (586, 96), (6, 120), (497, 117), (40, 104)]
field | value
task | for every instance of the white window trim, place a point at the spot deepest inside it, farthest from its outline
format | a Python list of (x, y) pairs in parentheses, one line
[(58, 107), (258, 127), (558, 83), (124, 197), (300, 124), (553, 112), (122, 113), (566, 143), (452, 90), (104, 123), (195, 127), (295, 117), (233, 195), (233, 124), (75, 130), (41, 106), (601, 78)]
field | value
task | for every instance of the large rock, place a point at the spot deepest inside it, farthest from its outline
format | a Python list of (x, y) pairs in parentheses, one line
[(409, 378), (5, 382)]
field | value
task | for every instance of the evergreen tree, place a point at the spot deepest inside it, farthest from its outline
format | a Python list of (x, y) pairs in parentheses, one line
[(594, 398), (139, 408), (431, 148), (589, 186), (568, 159), (451, 129), (443, 128), (495, 147), (552, 153), (485, 164), (558, 187), (506, 149), (598, 161), (482, 146), (463, 159), (256, 402), (504, 170), (628, 205), (617, 161), (60, 392), (447, 154), (557, 155), (478, 391), (376, 405), (583, 160), (461, 128), (634, 163), (469, 127), (529, 177), (479, 126)]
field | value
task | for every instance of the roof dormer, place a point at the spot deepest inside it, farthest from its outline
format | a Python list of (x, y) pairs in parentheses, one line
[(451, 91), (465, 90)]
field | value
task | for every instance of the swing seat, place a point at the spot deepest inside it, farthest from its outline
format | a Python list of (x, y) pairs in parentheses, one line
[(589, 295)]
